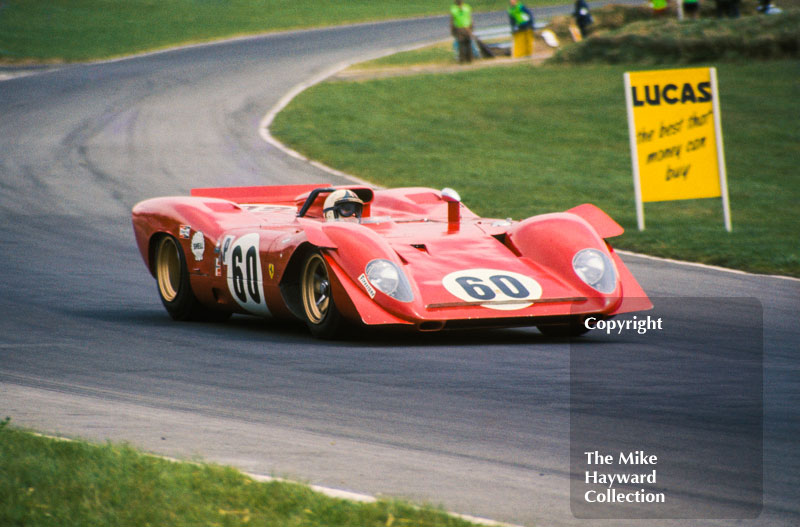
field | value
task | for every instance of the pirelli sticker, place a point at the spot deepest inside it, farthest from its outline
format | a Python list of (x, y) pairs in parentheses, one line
[(676, 137), (370, 290)]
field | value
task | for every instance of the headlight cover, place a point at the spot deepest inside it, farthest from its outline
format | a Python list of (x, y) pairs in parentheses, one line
[(389, 279), (596, 269)]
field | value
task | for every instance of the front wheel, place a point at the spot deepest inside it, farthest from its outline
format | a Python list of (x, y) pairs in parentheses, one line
[(322, 317)]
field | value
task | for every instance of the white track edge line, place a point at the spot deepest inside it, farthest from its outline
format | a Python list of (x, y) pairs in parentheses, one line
[(707, 266), (366, 498), (327, 491), (266, 121), (56, 66)]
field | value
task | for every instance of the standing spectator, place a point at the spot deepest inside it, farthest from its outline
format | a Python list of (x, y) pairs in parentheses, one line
[(660, 7), (461, 29), (691, 8), (582, 17), (521, 20)]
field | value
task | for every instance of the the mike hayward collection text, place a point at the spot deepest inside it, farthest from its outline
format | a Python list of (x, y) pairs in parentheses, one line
[(612, 494)]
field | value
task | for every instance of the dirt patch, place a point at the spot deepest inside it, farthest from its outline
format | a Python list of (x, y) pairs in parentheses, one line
[(355, 74)]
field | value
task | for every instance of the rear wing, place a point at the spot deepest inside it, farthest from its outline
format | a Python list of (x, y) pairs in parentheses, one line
[(274, 195)]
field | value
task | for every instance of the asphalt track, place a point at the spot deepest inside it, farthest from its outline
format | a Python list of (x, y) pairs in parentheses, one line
[(477, 422)]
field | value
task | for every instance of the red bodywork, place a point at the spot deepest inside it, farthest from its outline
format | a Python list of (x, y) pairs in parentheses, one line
[(432, 239)]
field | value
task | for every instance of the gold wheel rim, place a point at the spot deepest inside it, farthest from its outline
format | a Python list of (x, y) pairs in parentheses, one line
[(316, 289), (168, 269)]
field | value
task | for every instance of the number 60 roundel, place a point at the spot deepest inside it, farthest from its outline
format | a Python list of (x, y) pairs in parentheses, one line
[(498, 288), (245, 277)]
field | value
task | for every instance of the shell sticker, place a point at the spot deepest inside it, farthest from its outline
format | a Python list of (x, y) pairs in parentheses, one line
[(198, 245)]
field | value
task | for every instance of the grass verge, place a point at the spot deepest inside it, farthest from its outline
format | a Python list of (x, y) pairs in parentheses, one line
[(77, 30), (440, 53), (524, 140), (46, 482)]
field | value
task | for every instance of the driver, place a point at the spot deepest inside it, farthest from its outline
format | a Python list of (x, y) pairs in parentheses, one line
[(342, 205)]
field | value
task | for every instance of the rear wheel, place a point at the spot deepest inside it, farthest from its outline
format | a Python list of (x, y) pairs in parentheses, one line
[(322, 317), (172, 277)]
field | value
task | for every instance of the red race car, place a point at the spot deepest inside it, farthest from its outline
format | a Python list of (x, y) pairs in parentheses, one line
[(414, 257)]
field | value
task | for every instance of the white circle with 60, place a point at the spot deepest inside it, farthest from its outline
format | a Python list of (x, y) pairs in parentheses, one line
[(245, 277), (493, 288)]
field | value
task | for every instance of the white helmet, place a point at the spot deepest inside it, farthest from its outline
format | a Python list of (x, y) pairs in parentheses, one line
[(342, 204)]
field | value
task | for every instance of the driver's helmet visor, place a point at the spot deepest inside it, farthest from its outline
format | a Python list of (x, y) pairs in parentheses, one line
[(348, 209)]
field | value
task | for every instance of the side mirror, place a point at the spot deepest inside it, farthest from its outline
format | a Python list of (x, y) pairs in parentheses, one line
[(450, 195), (453, 208)]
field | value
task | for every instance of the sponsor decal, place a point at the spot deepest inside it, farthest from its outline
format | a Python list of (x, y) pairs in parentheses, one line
[(198, 245), (217, 267), (242, 262), (185, 231), (367, 285), (499, 289)]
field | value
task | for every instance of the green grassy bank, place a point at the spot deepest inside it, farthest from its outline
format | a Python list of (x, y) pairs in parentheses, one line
[(518, 141), (76, 30), (630, 35), (45, 482)]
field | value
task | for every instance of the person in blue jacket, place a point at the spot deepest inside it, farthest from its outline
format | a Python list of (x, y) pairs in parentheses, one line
[(582, 17)]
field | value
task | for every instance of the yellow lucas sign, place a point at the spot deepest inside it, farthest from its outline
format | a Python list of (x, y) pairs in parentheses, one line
[(676, 137)]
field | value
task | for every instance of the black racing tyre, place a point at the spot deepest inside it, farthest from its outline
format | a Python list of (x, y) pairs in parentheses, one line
[(322, 317), (172, 278), (569, 327)]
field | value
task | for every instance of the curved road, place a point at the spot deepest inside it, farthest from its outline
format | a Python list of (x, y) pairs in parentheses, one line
[(478, 423)]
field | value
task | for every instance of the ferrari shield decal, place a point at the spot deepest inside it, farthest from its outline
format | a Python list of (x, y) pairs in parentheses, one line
[(493, 288), (245, 277), (225, 246)]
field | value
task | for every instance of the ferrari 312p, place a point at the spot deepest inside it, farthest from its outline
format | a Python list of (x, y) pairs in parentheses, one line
[(352, 255)]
